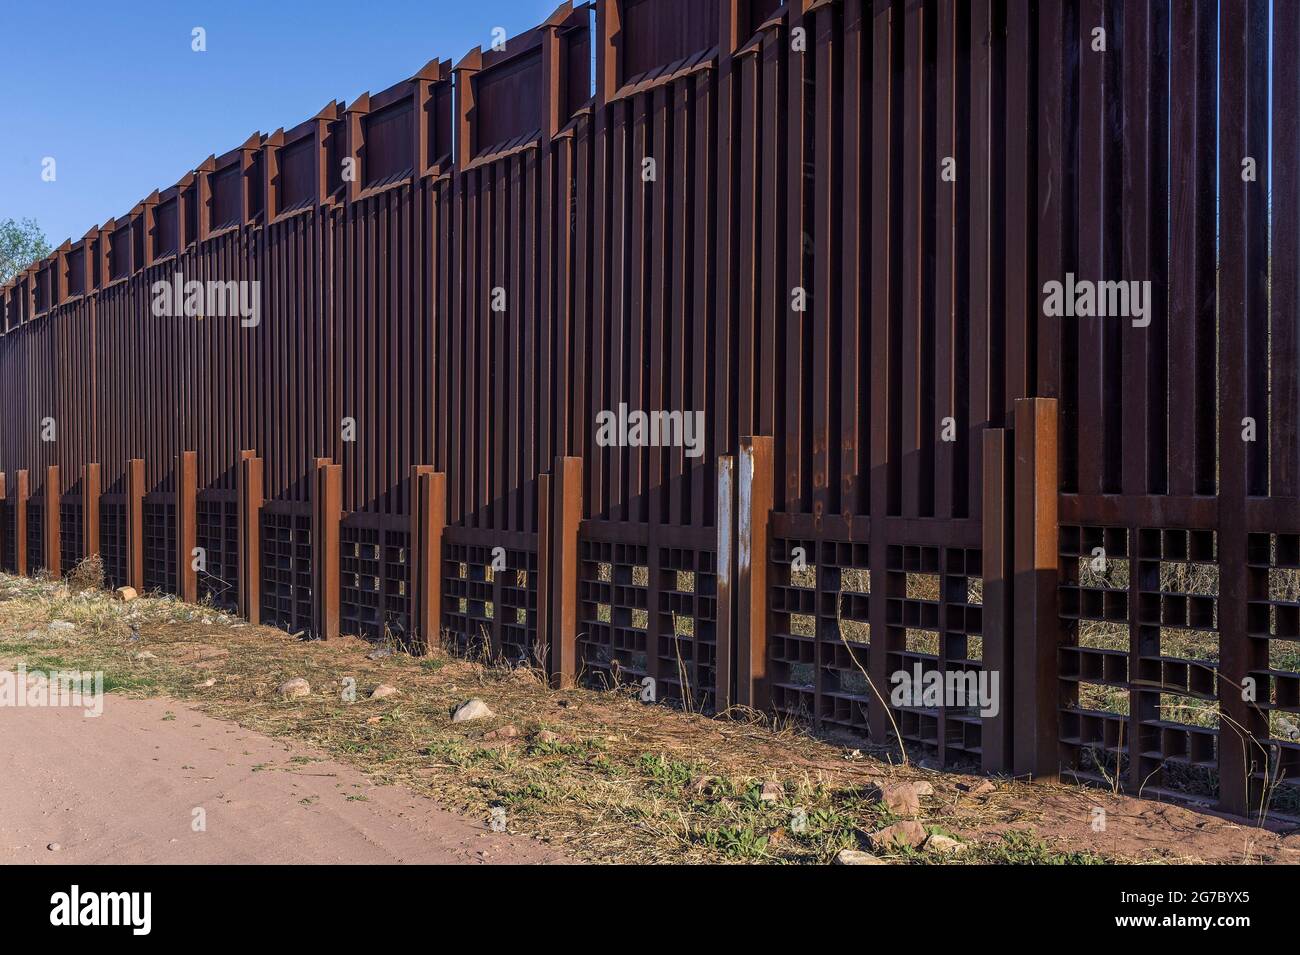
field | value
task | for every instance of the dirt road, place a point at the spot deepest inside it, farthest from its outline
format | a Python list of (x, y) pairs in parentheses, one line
[(124, 788)]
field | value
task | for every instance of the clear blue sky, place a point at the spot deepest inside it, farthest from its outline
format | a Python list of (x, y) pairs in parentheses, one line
[(114, 93)]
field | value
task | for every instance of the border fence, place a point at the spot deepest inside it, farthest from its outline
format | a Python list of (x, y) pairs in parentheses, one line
[(825, 232)]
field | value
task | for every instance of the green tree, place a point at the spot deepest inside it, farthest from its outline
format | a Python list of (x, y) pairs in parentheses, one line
[(21, 243)]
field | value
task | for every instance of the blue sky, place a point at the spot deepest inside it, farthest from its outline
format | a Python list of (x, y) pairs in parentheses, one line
[(114, 93)]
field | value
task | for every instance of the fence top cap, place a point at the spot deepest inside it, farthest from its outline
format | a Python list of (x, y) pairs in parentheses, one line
[(471, 61), (250, 144), (433, 71), (361, 104), (171, 192), (560, 15)]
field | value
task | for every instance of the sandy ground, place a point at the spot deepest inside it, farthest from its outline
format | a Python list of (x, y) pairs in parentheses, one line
[(123, 787)]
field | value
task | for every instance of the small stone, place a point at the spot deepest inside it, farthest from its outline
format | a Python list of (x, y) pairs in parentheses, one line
[(945, 845), (509, 731), (857, 857), (472, 710), (701, 783), (771, 792), (901, 835), (547, 737), (383, 691), (62, 625), (125, 594), (931, 764), (380, 653), (54, 847), (292, 689), (981, 788), (374, 720), (900, 798), (923, 788), (210, 681)]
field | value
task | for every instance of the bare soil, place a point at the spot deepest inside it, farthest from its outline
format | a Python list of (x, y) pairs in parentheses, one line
[(591, 775), (155, 781)]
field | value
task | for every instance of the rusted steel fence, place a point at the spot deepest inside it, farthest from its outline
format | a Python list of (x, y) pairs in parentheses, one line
[(973, 325)]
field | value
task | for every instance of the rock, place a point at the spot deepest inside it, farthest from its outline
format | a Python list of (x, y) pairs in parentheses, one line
[(62, 625), (205, 684), (54, 847), (380, 653), (900, 798), (945, 845), (374, 720), (857, 857), (771, 792), (509, 731), (125, 594), (931, 764), (901, 835), (292, 689), (701, 783), (546, 736), (146, 655), (981, 788), (923, 788), (472, 710), (384, 691)]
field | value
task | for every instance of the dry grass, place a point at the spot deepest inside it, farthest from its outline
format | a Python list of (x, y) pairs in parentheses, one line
[(625, 782)]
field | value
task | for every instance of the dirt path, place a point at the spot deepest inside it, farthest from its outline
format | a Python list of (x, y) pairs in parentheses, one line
[(123, 788)]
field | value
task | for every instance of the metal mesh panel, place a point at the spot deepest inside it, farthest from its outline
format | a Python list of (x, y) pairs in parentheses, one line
[(35, 538), (217, 532), (792, 644), (375, 574), (1139, 664), (613, 618), (71, 546), (397, 582), (519, 609), (359, 594), (822, 645), (687, 627), (467, 588), (112, 543), (160, 547), (8, 555), (286, 572), (1274, 621)]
